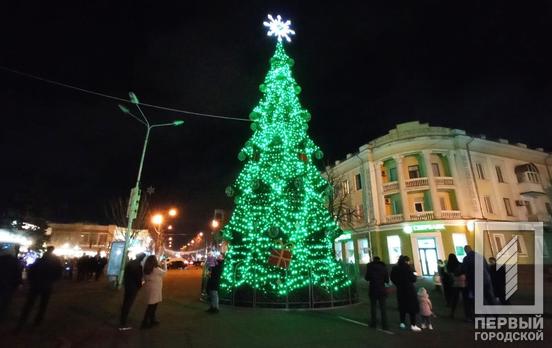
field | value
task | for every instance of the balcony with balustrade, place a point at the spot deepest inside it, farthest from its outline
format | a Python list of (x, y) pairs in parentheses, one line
[(444, 181), (451, 214), (395, 218), (422, 216), (390, 187), (416, 184)]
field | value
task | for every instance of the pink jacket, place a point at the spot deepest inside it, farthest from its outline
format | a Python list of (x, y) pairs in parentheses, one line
[(425, 303)]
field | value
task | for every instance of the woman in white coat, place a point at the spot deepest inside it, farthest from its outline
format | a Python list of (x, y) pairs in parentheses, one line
[(153, 277)]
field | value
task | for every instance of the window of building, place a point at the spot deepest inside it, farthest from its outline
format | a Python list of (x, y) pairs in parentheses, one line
[(418, 207), (394, 248), (102, 239), (435, 169), (338, 251), (443, 203), (345, 187), (528, 173), (499, 241), (480, 172), (488, 204), (460, 241), (364, 251), (396, 206), (393, 174), (522, 248), (508, 207), (499, 174), (413, 172), (358, 182), (350, 249)]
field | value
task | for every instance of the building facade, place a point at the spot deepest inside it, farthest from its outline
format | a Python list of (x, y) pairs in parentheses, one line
[(418, 191), (75, 239)]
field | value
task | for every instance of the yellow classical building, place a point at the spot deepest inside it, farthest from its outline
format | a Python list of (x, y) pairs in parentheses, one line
[(419, 189)]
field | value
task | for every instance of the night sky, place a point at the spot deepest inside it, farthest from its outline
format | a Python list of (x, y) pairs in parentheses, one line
[(482, 66)]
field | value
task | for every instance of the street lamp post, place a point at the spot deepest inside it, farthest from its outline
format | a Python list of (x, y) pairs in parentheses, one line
[(134, 200)]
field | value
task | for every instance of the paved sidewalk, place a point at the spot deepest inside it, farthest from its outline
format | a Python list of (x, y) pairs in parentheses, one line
[(86, 315)]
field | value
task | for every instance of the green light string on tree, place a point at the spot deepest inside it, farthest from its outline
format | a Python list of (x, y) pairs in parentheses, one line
[(280, 237)]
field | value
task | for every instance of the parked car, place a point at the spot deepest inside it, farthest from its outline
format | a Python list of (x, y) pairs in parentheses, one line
[(176, 263)]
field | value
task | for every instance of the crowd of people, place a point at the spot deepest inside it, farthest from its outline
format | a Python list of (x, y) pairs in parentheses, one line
[(147, 272), (458, 282)]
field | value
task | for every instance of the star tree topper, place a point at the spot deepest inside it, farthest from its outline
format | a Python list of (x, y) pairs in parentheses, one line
[(279, 28)]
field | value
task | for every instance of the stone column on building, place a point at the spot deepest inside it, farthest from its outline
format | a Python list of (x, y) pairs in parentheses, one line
[(458, 191), (381, 199), (426, 154), (402, 187)]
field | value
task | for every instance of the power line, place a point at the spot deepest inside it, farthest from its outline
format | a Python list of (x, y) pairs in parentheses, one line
[(104, 95)]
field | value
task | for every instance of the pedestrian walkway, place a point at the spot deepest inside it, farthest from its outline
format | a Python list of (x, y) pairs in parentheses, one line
[(86, 315)]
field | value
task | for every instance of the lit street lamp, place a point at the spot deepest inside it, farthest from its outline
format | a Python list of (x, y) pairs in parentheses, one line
[(215, 223), (134, 200)]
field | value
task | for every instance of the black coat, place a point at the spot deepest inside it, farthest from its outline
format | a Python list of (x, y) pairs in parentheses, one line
[(133, 275), (377, 275), (498, 279), (45, 271), (10, 273), (404, 278), (213, 282)]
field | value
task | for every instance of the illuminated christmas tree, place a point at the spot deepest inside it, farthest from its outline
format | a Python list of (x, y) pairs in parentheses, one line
[(281, 234)]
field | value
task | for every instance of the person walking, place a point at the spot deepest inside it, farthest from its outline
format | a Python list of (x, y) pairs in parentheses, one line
[(446, 282), (10, 277), (133, 282), (456, 272), (213, 284), (42, 275), (469, 268), (404, 278), (426, 308), (153, 277), (378, 277)]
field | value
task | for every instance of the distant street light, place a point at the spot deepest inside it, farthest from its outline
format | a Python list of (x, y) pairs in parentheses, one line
[(172, 212), (134, 200), (215, 223)]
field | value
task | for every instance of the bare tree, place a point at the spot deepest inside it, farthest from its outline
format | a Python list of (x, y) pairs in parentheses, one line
[(116, 212), (339, 202)]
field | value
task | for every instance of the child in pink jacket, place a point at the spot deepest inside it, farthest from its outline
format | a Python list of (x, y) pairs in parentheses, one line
[(425, 308)]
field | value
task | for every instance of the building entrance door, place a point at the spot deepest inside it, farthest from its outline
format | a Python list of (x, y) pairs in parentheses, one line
[(427, 249)]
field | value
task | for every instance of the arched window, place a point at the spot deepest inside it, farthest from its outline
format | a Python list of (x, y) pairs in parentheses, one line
[(528, 173)]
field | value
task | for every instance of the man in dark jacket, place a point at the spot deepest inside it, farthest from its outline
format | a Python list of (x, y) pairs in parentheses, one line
[(133, 282), (213, 284), (377, 275), (10, 276), (42, 275)]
